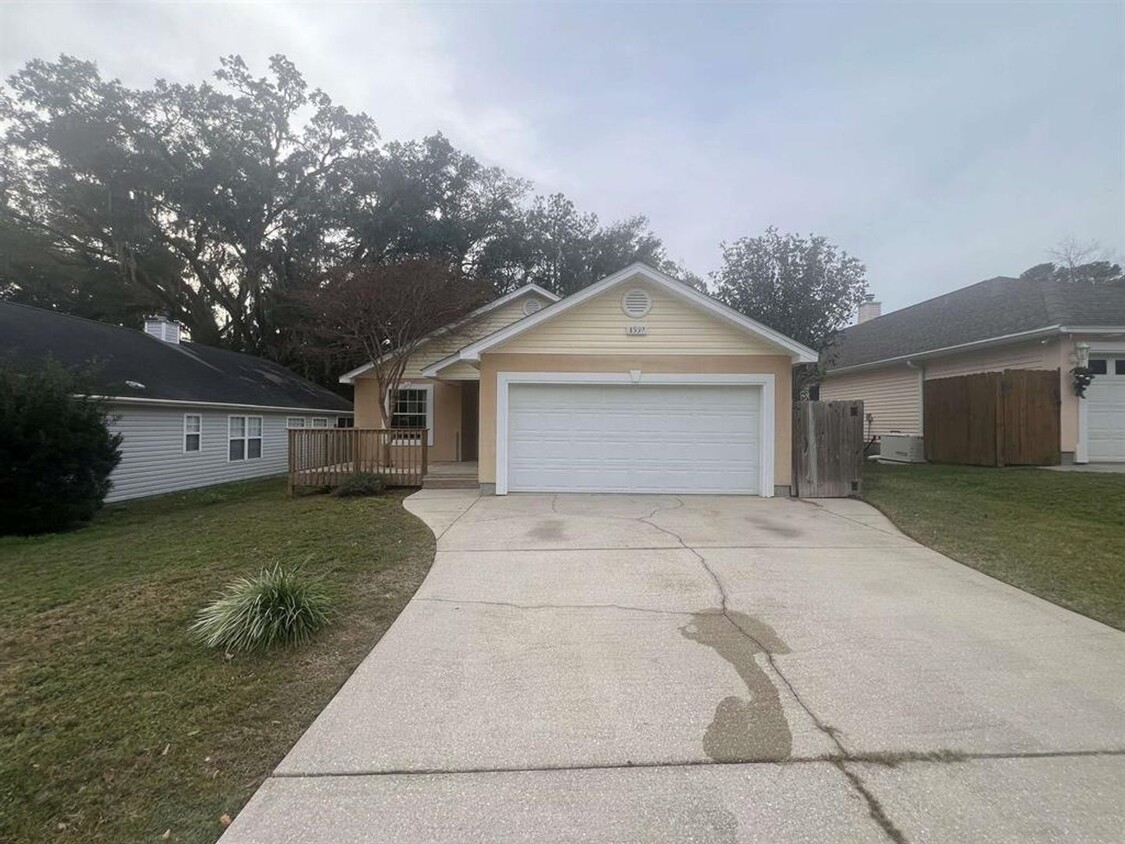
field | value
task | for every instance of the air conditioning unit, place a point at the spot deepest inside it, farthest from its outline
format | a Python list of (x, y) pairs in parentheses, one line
[(902, 448)]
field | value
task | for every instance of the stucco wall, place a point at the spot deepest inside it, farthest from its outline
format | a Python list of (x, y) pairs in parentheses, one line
[(777, 365), (447, 412)]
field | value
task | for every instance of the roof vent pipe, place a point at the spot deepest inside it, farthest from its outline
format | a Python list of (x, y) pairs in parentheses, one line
[(162, 328), (869, 309)]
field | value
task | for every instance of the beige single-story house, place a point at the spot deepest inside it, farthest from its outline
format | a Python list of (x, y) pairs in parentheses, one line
[(637, 384), (995, 325)]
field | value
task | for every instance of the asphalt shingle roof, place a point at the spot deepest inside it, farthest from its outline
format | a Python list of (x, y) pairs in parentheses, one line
[(170, 371), (993, 308)]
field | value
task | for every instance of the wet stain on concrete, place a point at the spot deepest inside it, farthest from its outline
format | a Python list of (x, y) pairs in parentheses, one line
[(548, 530), (753, 730), (775, 527)]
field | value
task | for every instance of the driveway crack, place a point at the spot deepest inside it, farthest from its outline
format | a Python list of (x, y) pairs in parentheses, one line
[(874, 807)]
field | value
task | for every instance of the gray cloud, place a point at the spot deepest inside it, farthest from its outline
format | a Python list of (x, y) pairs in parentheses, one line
[(939, 144)]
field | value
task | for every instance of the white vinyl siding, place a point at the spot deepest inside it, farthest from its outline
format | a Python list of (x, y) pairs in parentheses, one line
[(153, 460), (892, 397)]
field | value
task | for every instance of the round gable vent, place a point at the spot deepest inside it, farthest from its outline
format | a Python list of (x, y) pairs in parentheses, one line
[(636, 303), (532, 306)]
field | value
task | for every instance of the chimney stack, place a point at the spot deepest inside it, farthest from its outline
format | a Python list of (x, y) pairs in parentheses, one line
[(869, 309), (162, 328)]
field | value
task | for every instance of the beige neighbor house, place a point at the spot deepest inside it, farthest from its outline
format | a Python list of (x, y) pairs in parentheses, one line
[(998, 324), (638, 383)]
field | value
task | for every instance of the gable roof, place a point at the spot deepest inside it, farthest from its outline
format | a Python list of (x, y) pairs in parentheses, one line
[(350, 376), (995, 310), (473, 351), (170, 372)]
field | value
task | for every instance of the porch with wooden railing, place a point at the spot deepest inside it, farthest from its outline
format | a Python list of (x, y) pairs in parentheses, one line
[(325, 457)]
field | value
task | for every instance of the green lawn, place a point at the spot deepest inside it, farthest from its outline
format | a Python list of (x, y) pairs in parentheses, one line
[(114, 724), (1059, 535)]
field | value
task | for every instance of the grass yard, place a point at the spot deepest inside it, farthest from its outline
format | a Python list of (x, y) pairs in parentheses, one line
[(1058, 535), (115, 725)]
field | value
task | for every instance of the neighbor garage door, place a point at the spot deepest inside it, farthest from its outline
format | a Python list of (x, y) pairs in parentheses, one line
[(1106, 410), (633, 438)]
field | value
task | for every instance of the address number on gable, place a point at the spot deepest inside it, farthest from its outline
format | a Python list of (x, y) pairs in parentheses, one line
[(636, 329)]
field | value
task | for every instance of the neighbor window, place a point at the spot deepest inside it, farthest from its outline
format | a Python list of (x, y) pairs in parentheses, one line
[(319, 422), (294, 421), (193, 432), (1119, 366), (245, 437), (410, 408), (1098, 366)]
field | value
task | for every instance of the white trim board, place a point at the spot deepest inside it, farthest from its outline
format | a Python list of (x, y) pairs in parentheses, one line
[(350, 376), (767, 434), (473, 351)]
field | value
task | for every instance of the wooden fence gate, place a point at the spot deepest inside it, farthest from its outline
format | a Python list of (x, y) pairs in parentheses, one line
[(827, 449), (1007, 418)]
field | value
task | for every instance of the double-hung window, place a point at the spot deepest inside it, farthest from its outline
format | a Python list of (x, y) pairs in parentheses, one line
[(193, 432), (412, 407), (245, 438)]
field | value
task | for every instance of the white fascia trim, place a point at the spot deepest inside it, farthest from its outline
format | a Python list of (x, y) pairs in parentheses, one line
[(800, 353), (350, 376), (184, 403), (961, 347), (766, 443), (412, 385)]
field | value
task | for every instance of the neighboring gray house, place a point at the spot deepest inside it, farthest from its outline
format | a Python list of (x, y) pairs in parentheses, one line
[(1002, 323), (190, 415)]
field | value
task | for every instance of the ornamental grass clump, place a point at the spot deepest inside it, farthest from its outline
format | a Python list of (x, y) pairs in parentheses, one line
[(275, 607)]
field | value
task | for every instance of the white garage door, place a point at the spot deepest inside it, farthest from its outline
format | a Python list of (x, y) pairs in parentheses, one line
[(1105, 410), (633, 438)]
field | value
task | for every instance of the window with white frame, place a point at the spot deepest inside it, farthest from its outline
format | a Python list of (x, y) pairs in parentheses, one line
[(320, 422), (193, 432), (245, 438), (294, 421), (413, 407)]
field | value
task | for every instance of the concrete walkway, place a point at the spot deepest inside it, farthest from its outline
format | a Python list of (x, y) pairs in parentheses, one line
[(657, 668)]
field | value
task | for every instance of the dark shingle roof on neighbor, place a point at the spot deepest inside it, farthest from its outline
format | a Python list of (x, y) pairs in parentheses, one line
[(989, 309), (169, 371)]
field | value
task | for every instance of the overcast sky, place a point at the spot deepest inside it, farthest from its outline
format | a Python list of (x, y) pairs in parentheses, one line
[(941, 143)]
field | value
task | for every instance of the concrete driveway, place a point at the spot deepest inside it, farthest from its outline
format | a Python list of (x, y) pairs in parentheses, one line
[(658, 668)]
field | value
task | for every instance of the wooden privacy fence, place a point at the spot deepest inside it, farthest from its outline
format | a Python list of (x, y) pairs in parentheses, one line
[(827, 449), (1007, 418), (324, 457)]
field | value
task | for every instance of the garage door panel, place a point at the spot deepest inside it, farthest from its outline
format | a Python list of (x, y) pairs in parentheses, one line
[(1105, 417), (633, 438)]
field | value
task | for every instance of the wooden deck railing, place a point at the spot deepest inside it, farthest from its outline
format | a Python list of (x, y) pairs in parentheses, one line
[(324, 457)]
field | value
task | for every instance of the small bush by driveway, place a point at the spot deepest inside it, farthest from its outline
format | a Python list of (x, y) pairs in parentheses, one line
[(115, 723), (1058, 535)]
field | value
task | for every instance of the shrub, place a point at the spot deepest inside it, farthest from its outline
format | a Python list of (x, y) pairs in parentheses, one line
[(56, 452), (361, 483), (275, 607)]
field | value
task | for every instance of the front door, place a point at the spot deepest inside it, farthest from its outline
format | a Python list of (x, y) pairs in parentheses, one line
[(470, 414)]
